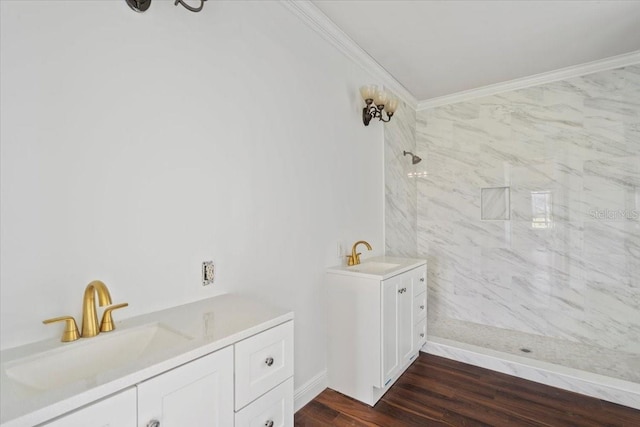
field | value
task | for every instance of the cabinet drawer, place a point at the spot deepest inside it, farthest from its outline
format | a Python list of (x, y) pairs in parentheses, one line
[(419, 307), (420, 281), (420, 334), (274, 409), (262, 362)]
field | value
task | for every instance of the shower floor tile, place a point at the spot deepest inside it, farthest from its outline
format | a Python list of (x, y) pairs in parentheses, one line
[(598, 360)]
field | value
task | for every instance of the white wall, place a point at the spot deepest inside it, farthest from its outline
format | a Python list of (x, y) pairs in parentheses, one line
[(136, 146)]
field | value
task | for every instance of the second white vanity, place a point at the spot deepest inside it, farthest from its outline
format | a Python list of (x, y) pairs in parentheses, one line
[(377, 322), (224, 361)]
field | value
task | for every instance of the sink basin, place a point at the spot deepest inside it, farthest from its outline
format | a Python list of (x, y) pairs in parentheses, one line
[(85, 359), (373, 267)]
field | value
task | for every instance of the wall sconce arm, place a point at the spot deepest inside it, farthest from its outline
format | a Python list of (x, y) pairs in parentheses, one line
[(191, 8), (371, 111)]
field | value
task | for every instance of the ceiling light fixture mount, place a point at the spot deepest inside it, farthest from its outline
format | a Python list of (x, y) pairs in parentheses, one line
[(378, 101), (139, 5)]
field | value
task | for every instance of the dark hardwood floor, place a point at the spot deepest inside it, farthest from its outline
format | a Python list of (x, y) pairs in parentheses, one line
[(435, 391)]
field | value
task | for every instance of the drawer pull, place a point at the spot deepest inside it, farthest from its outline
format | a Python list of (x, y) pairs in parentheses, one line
[(153, 423), (269, 361), (422, 279), (402, 290), (422, 307), (422, 335), (268, 423)]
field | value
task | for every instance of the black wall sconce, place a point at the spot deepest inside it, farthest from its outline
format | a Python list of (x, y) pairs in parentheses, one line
[(377, 100), (143, 5)]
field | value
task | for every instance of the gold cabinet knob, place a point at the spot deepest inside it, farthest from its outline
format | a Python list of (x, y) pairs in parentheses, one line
[(71, 332), (106, 324)]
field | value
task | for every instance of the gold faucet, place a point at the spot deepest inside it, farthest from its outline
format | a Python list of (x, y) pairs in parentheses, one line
[(90, 326), (89, 316), (354, 258)]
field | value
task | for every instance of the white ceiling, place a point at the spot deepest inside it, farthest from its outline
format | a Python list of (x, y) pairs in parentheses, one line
[(437, 48)]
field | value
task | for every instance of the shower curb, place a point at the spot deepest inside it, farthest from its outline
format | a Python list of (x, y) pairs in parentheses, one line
[(602, 387)]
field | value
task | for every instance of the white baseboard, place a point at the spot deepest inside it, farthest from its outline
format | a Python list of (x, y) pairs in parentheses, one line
[(307, 391)]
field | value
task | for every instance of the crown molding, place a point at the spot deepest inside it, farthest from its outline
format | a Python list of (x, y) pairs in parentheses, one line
[(535, 80), (319, 22), (313, 17)]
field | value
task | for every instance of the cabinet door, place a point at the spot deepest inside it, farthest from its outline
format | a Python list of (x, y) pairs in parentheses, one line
[(199, 393), (405, 319), (397, 323), (390, 295), (118, 410)]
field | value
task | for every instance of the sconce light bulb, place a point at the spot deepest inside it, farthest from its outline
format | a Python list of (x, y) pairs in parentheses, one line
[(392, 106), (381, 98), (367, 92)]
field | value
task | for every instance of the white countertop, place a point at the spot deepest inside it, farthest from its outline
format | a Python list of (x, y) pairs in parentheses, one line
[(381, 267), (211, 324)]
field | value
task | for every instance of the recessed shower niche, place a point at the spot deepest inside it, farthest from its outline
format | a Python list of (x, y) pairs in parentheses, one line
[(495, 204)]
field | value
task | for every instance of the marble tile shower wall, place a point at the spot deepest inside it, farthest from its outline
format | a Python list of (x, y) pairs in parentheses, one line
[(400, 185), (566, 264)]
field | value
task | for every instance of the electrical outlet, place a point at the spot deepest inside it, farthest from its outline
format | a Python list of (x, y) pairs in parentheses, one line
[(208, 273)]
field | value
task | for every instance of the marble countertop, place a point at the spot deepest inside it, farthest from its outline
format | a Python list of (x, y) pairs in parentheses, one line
[(381, 267), (209, 324)]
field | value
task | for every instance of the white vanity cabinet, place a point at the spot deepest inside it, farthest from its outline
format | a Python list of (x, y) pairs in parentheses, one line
[(234, 368), (201, 392), (377, 324)]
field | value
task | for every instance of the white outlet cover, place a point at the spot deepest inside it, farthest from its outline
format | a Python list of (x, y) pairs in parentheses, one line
[(208, 273)]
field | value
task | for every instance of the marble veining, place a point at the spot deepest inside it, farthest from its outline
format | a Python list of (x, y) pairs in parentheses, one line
[(565, 267), (400, 184)]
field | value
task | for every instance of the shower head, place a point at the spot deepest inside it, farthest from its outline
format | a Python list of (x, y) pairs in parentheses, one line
[(414, 159)]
